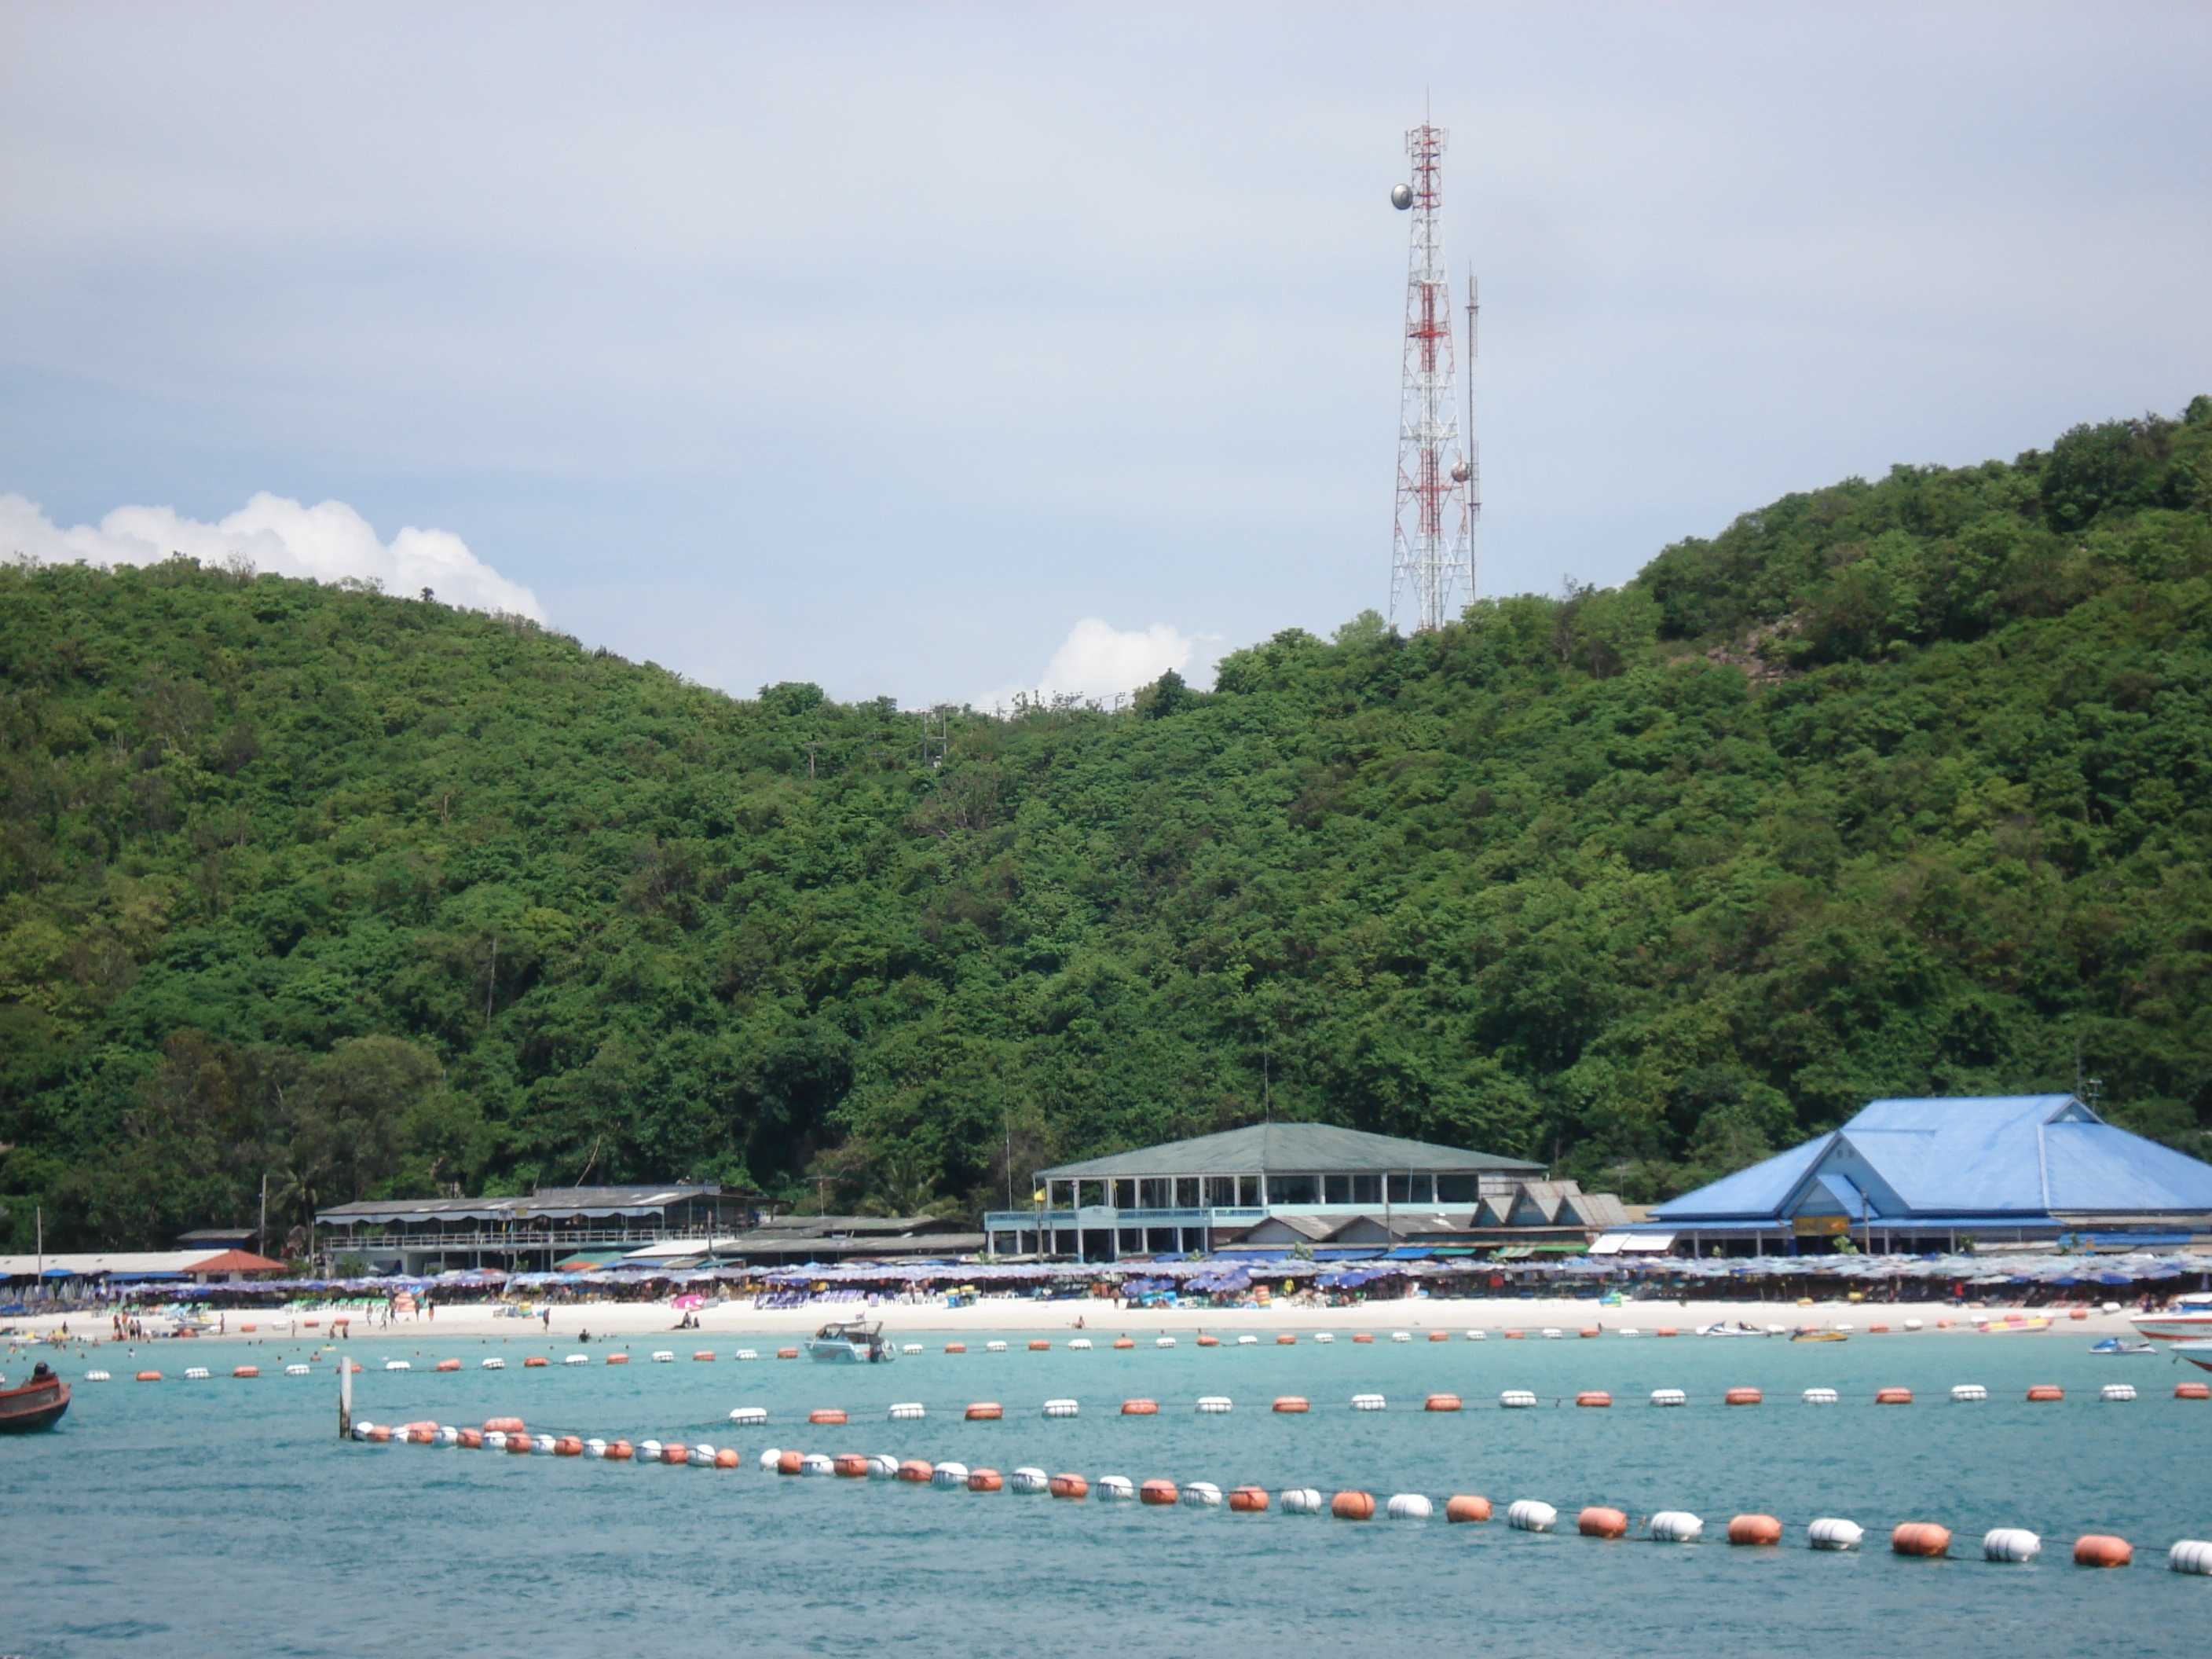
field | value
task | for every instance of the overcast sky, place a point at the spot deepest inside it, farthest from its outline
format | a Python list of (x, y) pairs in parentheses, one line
[(938, 351)]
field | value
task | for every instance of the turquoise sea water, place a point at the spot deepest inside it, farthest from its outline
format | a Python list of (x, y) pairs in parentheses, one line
[(199, 1517)]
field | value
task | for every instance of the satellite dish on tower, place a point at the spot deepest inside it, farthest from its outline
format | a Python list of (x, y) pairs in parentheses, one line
[(1402, 197)]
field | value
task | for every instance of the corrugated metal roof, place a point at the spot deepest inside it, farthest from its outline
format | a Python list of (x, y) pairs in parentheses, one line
[(1289, 1147), (1760, 1190)]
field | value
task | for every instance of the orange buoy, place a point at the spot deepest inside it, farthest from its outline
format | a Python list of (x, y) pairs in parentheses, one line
[(1877, 1330), (620, 1451), (1743, 1396), (2078, 1313), (1943, 1324), (1599, 1521), (534, 1361), (1513, 1336), (983, 1481), (1362, 1336), (421, 1434), (829, 1416), (249, 1327), (2192, 1391), (852, 1465), (1920, 1538), (1893, 1397), (2100, 1549), (1466, 1507), (1665, 1330), (914, 1469), (2046, 1391), (470, 1438), (1440, 1402), (1439, 1336), (986, 1411), (1248, 1500), (1205, 1341), (1284, 1340), (1157, 1491), (1593, 1397), (617, 1359), (382, 1436), (1069, 1485), (1038, 1343), (726, 1457), (568, 1445), (956, 1347), (787, 1353), (704, 1353), (1590, 1330), (245, 1370), (1352, 1506), (447, 1365), (1754, 1529), (1120, 1342), (1292, 1403), (502, 1425), (790, 1462), (149, 1376), (518, 1442), (673, 1452), (1141, 1408)]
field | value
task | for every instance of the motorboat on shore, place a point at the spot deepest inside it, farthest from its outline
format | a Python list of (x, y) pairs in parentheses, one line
[(847, 1341), (2190, 1317), (37, 1404)]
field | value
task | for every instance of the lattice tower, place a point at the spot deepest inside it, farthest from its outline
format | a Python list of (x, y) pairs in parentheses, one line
[(1432, 555)]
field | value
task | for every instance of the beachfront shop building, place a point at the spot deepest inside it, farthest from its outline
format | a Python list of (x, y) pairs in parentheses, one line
[(589, 1226), (1280, 1185), (1937, 1176)]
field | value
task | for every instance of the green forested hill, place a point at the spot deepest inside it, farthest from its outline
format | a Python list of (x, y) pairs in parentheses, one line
[(1897, 786)]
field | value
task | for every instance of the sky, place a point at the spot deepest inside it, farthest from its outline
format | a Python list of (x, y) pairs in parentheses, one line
[(944, 352)]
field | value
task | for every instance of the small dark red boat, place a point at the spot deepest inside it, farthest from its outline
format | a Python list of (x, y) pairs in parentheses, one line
[(38, 1404)]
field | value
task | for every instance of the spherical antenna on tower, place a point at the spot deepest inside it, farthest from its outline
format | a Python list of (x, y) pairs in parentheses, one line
[(1461, 472), (1402, 197)]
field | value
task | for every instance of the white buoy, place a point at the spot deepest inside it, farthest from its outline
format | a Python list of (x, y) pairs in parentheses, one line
[(2010, 1544), (816, 1463), (908, 1411), (1820, 1397), (1831, 1533), (362, 1429), (994, 1347), (1913, 1325), (2116, 1391), (1669, 1397), (2190, 1555), (1514, 1399), (1847, 1329), (1401, 1336), (199, 1373), (767, 1460), (751, 1353), (1969, 1393), (1529, 1515), (702, 1457), (1324, 1336), (1079, 1342), (907, 1347), (1677, 1527), (1477, 1336), (493, 1440), (1630, 1330), (1302, 1500), (103, 1377), (1551, 1333), (1200, 1495), (495, 1364), (595, 1448), (541, 1445), (577, 1359), (1029, 1479), (949, 1474), (1368, 1402), (749, 1415), (1213, 1405), (447, 1435), (1062, 1408), (1115, 1487), (1248, 1341), (663, 1356), (882, 1468), (1164, 1342), (1409, 1506), (389, 1364)]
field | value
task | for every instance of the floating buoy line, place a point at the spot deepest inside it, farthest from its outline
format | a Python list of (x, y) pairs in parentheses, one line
[(1913, 1539)]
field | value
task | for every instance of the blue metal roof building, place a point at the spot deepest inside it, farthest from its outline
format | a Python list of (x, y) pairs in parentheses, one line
[(1919, 1175)]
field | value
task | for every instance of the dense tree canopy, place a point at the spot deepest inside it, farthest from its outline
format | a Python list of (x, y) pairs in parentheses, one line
[(1895, 786)]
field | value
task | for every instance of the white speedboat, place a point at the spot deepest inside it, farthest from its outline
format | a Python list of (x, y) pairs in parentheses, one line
[(2190, 1317), (847, 1341), (2198, 1351)]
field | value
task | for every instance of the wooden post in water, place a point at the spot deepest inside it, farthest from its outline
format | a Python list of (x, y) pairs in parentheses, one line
[(346, 1397)]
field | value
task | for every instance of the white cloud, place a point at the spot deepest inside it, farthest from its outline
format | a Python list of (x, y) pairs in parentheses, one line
[(327, 542), (1098, 659)]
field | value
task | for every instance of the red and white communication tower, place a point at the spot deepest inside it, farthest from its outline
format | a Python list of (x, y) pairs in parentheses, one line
[(1432, 555)]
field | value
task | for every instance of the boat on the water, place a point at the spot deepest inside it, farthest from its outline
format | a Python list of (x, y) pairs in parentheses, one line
[(37, 1404), (2190, 1317), (2198, 1351), (2112, 1345), (1811, 1336), (1731, 1328), (844, 1341)]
